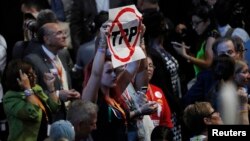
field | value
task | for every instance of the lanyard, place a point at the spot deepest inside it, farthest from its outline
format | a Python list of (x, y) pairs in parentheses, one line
[(40, 104), (116, 106)]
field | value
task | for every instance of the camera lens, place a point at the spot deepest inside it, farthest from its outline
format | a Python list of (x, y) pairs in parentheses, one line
[(30, 24)]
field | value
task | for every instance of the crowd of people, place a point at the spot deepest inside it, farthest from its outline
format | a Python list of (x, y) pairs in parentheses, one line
[(58, 83)]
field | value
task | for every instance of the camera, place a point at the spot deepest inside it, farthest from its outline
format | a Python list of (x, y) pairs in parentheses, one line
[(144, 89), (29, 22)]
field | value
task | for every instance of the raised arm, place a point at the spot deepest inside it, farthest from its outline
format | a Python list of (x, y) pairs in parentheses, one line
[(141, 78), (203, 63), (135, 71), (243, 113), (90, 91)]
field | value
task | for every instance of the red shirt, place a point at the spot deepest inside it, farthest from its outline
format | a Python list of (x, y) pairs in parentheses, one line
[(163, 114)]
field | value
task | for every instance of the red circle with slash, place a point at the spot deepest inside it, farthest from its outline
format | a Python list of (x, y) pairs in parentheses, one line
[(130, 47)]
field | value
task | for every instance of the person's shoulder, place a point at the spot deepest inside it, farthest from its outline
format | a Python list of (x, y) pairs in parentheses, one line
[(35, 42), (3, 41), (31, 56), (205, 72), (240, 32), (13, 94), (35, 59), (205, 75), (37, 87), (239, 29), (156, 88), (63, 51)]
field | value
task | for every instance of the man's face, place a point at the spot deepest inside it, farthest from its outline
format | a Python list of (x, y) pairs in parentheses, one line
[(226, 47), (56, 36)]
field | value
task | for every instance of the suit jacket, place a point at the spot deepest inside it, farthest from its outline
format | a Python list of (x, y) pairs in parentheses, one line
[(41, 63), (201, 88), (23, 48), (82, 17)]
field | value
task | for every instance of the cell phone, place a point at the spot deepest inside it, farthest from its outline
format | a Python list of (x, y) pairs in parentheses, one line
[(179, 45), (54, 72), (144, 89)]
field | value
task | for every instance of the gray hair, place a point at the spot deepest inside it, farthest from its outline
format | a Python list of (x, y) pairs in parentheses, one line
[(81, 111)]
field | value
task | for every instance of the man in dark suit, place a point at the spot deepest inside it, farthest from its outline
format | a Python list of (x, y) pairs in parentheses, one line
[(52, 57)]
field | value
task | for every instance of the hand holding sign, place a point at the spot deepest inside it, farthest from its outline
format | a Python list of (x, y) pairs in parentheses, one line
[(102, 36), (124, 35)]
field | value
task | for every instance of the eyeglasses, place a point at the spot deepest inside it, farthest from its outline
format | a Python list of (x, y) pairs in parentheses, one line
[(243, 50), (210, 115), (196, 23), (227, 52), (245, 71)]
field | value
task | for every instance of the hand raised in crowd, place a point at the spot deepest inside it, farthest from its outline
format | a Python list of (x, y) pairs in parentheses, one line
[(24, 81), (141, 98), (66, 95), (244, 107), (242, 96), (149, 108), (142, 30), (102, 40), (181, 49), (49, 80), (73, 94)]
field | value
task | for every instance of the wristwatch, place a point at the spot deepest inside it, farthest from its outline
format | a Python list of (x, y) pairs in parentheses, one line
[(28, 92)]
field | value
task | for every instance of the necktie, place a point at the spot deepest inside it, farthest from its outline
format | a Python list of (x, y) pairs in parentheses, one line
[(58, 9), (58, 66), (61, 73)]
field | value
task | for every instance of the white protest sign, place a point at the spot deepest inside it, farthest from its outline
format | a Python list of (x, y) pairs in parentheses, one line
[(124, 35)]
